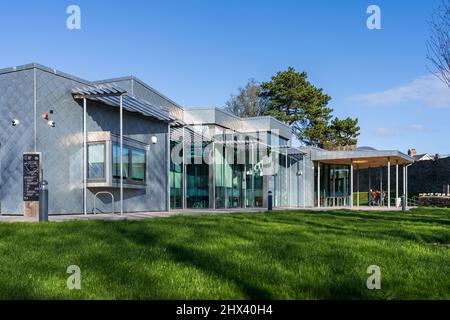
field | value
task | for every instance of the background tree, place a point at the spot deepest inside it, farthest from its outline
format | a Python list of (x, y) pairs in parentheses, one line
[(248, 102), (295, 101), (438, 46), (343, 132)]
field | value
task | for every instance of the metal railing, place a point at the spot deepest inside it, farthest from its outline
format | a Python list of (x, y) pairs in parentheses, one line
[(103, 192)]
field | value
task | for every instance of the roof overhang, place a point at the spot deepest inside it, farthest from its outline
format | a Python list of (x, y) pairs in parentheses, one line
[(112, 95), (363, 159)]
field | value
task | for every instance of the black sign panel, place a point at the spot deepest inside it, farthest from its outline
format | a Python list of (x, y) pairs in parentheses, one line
[(31, 175)]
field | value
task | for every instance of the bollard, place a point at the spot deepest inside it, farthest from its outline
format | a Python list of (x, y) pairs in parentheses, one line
[(270, 201), (43, 202), (403, 203)]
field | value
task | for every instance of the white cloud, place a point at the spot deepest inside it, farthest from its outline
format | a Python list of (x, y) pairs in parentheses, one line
[(385, 132), (418, 127), (427, 90)]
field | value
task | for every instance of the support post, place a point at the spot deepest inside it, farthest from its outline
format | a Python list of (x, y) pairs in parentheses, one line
[(406, 183), (121, 155), (286, 179), (213, 155), (84, 158), (396, 182), (304, 180), (351, 184), (183, 174), (381, 185), (357, 185), (168, 161), (389, 183), (369, 194), (318, 184)]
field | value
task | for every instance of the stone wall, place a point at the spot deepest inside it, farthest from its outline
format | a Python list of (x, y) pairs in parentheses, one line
[(424, 176), (429, 176)]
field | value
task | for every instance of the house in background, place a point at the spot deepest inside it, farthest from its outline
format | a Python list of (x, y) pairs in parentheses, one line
[(420, 157)]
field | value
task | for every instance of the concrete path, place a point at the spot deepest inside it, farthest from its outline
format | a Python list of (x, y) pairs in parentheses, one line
[(148, 215)]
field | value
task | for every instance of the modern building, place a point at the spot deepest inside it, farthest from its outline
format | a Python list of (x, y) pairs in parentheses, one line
[(119, 145)]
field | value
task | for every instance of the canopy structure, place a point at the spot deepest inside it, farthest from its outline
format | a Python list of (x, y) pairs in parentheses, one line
[(110, 95), (366, 159)]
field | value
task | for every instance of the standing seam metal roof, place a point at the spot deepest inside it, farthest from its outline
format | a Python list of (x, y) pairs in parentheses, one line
[(110, 95)]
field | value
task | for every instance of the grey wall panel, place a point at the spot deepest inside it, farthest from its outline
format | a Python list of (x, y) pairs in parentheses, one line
[(16, 102), (142, 91), (63, 149)]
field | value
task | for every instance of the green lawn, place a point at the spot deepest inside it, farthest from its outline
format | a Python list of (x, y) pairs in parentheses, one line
[(278, 255)]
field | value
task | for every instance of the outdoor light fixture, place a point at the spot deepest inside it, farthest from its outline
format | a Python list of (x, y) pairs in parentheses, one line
[(154, 140), (51, 123), (360, 161), (15, 122)]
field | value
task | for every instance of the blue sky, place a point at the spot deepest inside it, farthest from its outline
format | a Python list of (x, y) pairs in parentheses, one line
[(199, 52)]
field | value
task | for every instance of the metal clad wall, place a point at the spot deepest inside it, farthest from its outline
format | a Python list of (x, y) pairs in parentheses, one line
[(16, 102), (61, 146), (62, 149)]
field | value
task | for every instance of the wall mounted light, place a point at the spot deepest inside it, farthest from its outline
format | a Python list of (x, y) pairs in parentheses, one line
[(15, 122), (154, 140)]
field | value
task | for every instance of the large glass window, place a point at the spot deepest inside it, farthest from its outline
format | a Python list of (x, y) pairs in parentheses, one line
[(96, 161), (176, 173), (137, 165), (116, 161), (134, 164), (334, 185), (197, 193)]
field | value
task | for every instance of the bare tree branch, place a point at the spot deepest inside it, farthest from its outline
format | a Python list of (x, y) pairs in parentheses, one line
[(438, 46)]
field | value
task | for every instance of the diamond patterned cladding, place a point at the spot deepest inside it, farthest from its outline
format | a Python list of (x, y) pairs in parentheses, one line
[(16, 102)]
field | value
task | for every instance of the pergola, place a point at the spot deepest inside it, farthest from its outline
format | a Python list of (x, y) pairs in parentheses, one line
[(115, 97), (368, 159)]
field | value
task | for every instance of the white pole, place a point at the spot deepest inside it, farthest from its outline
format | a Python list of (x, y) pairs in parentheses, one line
[(286, 180), (168, 161), (404, 180), (396, 182), (389, 183), (318, 184), (406, 183), (357, 185), (351, 184), (84, 158), (121, 155), (304, 182)]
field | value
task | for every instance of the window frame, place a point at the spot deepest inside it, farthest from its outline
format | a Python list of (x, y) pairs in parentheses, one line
[(103, 178), (129, 179)]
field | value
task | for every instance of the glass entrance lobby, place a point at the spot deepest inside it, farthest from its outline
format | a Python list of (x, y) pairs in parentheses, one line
[(334, 185), (223, 170)]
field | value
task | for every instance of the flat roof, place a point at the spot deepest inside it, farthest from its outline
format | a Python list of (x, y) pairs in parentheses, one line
[(363, 158)]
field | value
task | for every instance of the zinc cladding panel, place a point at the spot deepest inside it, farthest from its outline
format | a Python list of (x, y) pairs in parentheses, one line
[(63, 149), (16, 102), (61, 146), (144, 93)]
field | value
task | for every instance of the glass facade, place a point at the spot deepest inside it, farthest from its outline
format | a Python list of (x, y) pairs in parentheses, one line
[(176, 179), (237, 174), (197, 178), (334, 185)]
